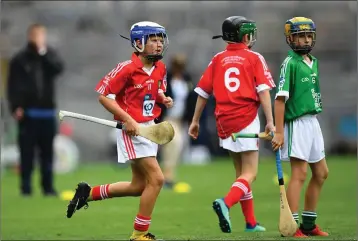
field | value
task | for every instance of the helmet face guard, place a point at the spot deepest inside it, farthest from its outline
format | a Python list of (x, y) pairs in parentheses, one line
[(144, 31), (250, 29), (300, 27)]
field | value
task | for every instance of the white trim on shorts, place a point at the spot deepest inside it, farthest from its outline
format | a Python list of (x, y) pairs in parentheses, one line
[(134, 147), (243, 144)]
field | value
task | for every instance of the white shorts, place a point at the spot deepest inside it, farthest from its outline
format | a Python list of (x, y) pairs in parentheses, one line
[(133, 147), (243, 144), (303, 140)]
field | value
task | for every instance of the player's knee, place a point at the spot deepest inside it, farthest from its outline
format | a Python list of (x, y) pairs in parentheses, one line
[(160, 180), (299, 175), (320, 175), (157, 180)]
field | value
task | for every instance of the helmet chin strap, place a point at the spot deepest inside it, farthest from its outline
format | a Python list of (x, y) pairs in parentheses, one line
[(153, 57), (303, 51)]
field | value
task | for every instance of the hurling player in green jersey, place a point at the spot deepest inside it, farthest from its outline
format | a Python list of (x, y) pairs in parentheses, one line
[(298, 133)]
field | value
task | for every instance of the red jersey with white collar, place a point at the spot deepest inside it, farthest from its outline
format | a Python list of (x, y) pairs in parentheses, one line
[(235, 77), (135, 88)]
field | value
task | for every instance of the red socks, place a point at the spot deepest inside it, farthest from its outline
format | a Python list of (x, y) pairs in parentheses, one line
[(241, 192), (100, 192), (247, 206), (141, 223), (238, 190)]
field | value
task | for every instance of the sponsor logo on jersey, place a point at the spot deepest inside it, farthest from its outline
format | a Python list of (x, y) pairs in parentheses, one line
[(305, 79), (138, 86), (281, 83), (148, 107)]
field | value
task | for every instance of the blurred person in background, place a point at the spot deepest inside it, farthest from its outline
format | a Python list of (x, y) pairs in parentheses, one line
[(178, 86), (31, 98)]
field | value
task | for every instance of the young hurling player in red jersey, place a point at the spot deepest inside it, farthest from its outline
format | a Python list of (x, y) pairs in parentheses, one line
[(240, 81), (131, 92)]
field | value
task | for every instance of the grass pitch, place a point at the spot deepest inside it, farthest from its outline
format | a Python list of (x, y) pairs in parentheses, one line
[(177, 216)]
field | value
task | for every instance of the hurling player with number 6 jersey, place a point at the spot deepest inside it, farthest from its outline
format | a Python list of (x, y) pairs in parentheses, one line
[(239, 80), (131, 92)]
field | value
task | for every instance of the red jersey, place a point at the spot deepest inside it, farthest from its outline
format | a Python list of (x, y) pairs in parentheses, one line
[(135, 88), (235, 77)]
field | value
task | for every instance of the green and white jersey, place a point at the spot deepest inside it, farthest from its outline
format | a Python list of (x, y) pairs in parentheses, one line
[(299, 83)]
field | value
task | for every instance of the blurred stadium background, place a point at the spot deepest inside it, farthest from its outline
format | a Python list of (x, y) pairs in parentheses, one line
[(86, 35)]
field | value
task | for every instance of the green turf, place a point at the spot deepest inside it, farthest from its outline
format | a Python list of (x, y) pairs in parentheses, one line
[(177, 216)]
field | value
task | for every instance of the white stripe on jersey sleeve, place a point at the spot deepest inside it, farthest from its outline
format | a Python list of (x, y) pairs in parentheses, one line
[(283, 93), (262, 87), (111, 96), (201, 92)]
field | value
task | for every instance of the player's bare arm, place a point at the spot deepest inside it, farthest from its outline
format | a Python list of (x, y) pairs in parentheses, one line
[(194, 126), (277, 140), (204, 89), (131, 126), (265, 100)]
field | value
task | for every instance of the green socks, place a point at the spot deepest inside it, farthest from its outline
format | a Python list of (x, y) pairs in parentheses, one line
[(295, 217), (308, 220)]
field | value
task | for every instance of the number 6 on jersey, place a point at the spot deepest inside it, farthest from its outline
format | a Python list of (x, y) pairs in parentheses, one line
[(232, 83), (235, 77)]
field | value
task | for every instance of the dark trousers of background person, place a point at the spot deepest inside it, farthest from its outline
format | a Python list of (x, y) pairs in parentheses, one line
[(36, 135)]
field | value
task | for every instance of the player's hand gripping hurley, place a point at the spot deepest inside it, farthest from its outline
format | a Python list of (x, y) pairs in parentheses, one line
[(161, 133)]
